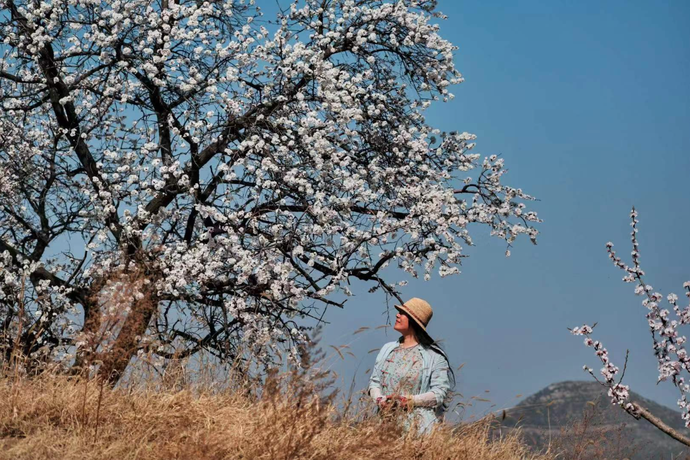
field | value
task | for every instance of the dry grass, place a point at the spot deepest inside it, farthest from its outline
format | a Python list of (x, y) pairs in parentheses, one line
[(54, 416)]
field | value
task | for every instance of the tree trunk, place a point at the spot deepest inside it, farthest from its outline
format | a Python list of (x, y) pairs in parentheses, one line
[(116, 359)]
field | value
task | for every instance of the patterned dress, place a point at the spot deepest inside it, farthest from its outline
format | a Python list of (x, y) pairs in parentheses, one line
[(401, 374), (401, 371)]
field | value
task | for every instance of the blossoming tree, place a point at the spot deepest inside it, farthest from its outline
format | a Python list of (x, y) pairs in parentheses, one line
[(667, 342), (221, 175)]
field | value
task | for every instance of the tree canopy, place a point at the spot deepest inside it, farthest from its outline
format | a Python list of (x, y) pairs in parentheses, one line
[(187, 175)]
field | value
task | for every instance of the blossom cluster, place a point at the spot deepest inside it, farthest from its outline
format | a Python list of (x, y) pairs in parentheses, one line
[(619, 393)]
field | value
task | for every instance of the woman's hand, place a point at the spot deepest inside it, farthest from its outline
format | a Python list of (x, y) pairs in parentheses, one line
[(404, 402), (395, 401), (385, 402)]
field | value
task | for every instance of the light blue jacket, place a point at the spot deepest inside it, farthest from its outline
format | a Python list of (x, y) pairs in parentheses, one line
[(434, 377)]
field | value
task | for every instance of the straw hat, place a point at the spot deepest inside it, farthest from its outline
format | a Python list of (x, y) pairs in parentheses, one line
[(419, 310)]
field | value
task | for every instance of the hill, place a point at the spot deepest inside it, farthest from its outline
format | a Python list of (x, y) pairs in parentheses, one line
[(577, 416)]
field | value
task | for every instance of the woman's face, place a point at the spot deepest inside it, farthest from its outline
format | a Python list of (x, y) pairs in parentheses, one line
[(402, 323)]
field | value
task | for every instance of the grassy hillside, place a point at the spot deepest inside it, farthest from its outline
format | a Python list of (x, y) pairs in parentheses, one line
[(53, 417)]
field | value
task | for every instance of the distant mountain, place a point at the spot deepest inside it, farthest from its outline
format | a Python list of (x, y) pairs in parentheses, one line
[(582, 419)]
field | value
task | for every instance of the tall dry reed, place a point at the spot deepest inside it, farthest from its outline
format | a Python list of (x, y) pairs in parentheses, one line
[(55, 416)]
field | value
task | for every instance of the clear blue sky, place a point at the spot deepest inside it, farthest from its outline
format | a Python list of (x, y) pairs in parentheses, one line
[(588, 102)]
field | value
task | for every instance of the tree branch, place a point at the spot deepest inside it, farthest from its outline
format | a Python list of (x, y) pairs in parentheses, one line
[(657, 422)]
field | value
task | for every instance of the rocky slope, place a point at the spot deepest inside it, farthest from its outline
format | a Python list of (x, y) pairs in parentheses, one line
[(577, 418)]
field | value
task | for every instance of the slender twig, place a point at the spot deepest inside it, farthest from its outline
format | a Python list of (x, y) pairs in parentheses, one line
[(625, 365)]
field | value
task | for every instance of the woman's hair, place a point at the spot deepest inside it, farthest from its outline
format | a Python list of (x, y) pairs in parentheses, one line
[(428, 342)]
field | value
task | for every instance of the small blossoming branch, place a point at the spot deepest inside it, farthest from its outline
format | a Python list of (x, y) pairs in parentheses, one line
[(618, 392), (668, 344)]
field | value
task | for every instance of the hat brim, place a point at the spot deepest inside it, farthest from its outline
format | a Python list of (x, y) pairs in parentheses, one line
[(413, 318)]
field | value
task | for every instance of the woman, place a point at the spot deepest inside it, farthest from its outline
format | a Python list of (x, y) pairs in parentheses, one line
[(413, 373)]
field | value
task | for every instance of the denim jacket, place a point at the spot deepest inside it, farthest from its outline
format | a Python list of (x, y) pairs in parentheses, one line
[(434, 377)]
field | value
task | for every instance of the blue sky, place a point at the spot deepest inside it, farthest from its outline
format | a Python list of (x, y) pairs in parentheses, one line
[(588, 104)]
